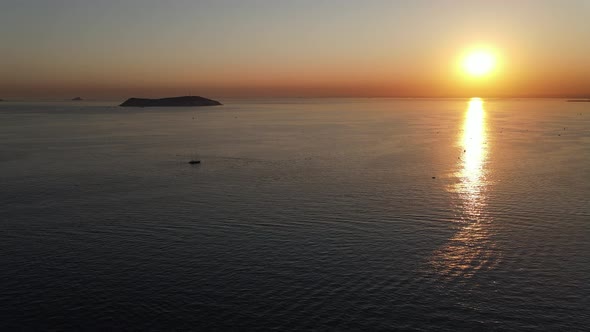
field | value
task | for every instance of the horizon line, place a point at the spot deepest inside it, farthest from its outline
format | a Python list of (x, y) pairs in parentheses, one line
[(39, 99)]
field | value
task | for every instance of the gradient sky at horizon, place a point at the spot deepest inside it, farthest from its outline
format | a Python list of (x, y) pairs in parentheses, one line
[(110, 48)]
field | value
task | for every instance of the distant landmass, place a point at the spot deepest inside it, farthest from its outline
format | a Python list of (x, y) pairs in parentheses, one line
[(77, 99), (185, 101), (579, 100)]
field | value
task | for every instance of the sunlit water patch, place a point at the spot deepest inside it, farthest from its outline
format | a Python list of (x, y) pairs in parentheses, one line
[(471, 249)]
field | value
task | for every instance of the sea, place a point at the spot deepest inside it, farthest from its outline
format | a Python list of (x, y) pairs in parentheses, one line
[(304, 214)]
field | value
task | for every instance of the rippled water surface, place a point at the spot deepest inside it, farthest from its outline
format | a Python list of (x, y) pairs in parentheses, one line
[(324, 214)]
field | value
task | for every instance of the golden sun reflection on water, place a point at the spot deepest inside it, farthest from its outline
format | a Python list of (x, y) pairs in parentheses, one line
[(473, 142), (470, 249)]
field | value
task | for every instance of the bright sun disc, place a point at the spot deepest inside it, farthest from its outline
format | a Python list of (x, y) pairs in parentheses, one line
[(478, 63)]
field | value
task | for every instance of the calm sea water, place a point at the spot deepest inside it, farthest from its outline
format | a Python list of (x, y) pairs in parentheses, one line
[(304, 214)]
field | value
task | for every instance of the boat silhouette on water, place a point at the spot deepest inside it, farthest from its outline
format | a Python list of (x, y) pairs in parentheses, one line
[(195, 159)]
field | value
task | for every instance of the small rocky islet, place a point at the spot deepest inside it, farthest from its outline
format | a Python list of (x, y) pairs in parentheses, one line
[(184, 101)]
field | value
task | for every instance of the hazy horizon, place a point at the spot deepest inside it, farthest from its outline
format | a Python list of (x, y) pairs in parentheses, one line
[(227, 99), (113, 50)]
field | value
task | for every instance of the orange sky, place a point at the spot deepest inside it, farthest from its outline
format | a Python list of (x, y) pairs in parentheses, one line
[(258, 48)]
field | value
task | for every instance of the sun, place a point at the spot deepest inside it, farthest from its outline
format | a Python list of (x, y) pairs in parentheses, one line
[(479, 63)]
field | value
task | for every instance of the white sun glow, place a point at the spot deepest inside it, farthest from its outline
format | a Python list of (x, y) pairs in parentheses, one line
[(479, 63)]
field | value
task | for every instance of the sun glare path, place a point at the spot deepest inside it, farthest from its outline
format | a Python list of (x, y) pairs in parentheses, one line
[(472, 248), (473, 140)]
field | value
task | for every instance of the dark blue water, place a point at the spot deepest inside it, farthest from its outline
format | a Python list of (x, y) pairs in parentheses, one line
[(304, 214)]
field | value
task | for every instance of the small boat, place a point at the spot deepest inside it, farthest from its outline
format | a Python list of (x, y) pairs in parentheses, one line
[(195, 159)]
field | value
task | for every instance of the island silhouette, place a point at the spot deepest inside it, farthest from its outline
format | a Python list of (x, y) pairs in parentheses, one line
[(184, 101)]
